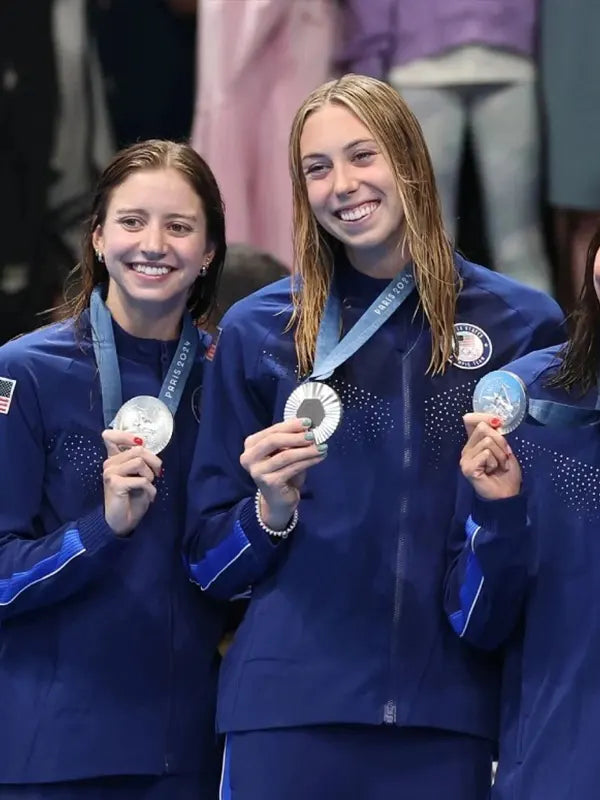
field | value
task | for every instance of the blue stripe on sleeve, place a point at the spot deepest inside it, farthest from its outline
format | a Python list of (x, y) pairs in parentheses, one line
[(471, 528), (220, 558), (472, 584), (11, 588), (225, 787)]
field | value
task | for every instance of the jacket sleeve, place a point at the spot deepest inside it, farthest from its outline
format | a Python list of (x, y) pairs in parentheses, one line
[(489, 549), (368, 37), (546, 327), (225, 549), (39, 567)]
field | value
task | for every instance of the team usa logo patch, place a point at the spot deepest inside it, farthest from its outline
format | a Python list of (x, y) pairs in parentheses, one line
[(7, 389), (474, 346)]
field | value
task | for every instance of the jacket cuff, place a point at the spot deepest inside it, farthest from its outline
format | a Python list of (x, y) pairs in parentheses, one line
[(497, 515), (94, 531), (263, 545)]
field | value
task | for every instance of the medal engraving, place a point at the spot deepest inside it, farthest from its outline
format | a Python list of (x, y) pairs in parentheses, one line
[(149, 418), (504, 395)]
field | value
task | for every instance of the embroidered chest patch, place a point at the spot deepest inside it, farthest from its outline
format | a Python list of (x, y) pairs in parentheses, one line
[(474, 346)]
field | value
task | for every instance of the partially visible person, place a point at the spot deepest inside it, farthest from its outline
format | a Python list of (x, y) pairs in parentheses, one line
[(344, 678), (28, 111), (109, 654), (570, 62), (525, 562), (256, 60), (147, 51), (466, 67), (246, 270)]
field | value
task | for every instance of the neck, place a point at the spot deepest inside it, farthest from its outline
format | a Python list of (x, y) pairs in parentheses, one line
[(379, 262), (144, 320)]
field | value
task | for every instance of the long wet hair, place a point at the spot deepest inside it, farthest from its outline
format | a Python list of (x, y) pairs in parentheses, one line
[(397, 132), (580, 358), (151, 154)]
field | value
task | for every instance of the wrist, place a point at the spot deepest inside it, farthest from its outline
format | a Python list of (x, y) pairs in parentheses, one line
[(276, 523), (497, 493), (117, 530)]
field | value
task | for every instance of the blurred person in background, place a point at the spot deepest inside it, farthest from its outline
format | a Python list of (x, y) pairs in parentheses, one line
[(146, 50), (570, 66), (256, 60), (466, 65), (28, 110), (245, 271), (83, 143)]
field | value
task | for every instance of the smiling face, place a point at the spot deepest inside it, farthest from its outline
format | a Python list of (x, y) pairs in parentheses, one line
[(153, 241), (351, 188)]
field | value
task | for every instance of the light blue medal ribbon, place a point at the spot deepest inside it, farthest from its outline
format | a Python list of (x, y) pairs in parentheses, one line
[(562, 415), (330, 351), (105, 351)]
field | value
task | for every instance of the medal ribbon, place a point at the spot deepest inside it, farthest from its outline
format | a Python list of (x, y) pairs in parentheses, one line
[(330, 352), (562, 415), (105, 351)]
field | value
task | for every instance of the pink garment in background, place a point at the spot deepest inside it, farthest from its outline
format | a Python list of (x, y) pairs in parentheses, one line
[(257, 61)]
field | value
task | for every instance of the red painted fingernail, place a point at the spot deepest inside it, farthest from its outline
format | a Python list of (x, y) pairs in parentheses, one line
[(496, 422), (137, 440)]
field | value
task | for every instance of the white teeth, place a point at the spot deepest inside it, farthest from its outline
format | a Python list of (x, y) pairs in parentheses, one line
[(146, 269), (354, 214)]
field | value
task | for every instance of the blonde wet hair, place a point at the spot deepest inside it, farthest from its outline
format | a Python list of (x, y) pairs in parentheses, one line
[(397, 132)]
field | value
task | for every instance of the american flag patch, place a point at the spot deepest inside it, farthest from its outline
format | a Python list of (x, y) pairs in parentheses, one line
[(7, 388), (212, 348)]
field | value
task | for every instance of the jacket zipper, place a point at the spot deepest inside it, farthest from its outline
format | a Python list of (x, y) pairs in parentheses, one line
[(390, 710), (167, 764)]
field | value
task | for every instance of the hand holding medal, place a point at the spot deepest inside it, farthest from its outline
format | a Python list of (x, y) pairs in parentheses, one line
[(146, 417), (503, 395), (137, 430), (487, 461), (128, 474), (318, 402), (277, 459)]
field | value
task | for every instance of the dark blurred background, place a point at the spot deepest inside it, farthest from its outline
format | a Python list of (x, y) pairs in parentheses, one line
[(82, 78)]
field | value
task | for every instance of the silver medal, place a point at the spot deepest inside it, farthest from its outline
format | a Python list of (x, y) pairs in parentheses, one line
[(147, 417), (504, 395), (319, 403)]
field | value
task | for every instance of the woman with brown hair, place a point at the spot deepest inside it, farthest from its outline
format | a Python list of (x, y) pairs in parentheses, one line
[(107, 664), (525, 534), (344, 679)]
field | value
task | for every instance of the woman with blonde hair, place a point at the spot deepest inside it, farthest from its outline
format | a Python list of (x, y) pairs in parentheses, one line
[(344, 679)]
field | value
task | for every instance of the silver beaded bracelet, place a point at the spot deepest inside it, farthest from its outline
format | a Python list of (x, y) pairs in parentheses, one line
[(279, 534)]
